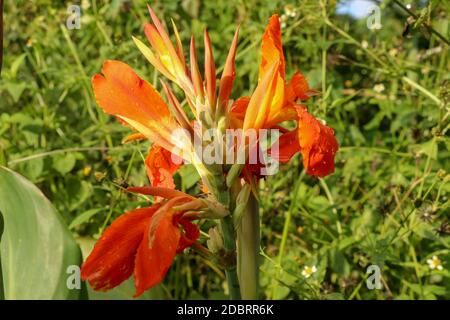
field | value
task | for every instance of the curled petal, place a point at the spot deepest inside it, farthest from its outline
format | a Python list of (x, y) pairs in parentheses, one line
[(272, 48), (298, 88), (112, 260), (318, 144), (161, 167), (237, 111), (190, 234)]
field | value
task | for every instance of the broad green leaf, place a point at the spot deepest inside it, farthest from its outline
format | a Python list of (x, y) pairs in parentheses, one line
[(36, 248)]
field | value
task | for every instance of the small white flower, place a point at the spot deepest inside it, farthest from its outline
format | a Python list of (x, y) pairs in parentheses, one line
[(435, 263), (364, 44), (308, 271), (379, 87), (290, 11)]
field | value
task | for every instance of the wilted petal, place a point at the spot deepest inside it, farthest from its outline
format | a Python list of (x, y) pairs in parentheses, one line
[(190, 234), (161, 167), (318, 144), (298, 88)]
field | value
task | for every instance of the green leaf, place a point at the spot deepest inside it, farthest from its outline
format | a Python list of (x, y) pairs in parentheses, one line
[(64, 163), (429, 148), (36, 247), (84, 217), (16, 64), (15, 90), (189, 176)]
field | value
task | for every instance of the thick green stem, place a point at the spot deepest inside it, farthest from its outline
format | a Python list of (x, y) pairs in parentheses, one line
[(229, 239), (230, 248), (248, 240)]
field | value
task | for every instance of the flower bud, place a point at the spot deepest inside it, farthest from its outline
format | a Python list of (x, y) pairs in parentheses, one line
[(215, 242)]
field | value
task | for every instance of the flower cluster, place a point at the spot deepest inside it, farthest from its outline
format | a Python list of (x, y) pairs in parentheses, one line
[(145, 241)]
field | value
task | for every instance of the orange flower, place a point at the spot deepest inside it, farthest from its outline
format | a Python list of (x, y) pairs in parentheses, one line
[(274, 101), (142, 242)]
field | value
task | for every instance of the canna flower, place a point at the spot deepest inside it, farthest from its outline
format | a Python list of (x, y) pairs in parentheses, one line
[(275, 100), (144, 242)]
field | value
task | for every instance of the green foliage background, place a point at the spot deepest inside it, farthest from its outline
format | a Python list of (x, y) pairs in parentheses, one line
[(385, 93)]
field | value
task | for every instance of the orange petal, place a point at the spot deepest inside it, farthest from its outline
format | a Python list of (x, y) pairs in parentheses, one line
[(195, 72), (190, 234), (318, 144), (112, 260), (179, 113), (297, 88), (133, 137), (157, 249), (272, 48), (237, 112), (161, 167), (165, 193), (120, 92), (210, 72), (267, 100), (288, 146), (226, 81)]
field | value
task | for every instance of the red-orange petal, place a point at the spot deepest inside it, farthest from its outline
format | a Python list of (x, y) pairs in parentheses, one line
[(190, 234), (226, 82), (157, 250), (288, 146), (297, 88), (272, 48), (161, 167), (166, 193), (122, 93), (318, 144), (112, 260)]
